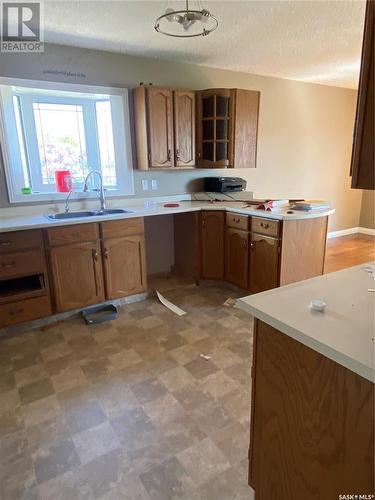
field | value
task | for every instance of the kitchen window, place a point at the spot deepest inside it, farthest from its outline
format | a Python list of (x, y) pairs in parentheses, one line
[(47, 127)]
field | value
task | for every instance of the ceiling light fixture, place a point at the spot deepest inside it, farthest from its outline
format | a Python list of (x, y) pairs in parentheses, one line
[(187, 23)]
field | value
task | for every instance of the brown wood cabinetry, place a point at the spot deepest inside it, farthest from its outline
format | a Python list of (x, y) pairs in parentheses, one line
[(264, 262), (312, 423), (24, 290), (363, 157), (89, 266), (227, 128), (164, 127), (212, 244), (124, 257), (236, 257), (77, 275), (184, 128)]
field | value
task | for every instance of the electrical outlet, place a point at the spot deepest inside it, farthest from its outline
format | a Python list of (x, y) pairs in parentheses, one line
[(154, 184), (144, 185)]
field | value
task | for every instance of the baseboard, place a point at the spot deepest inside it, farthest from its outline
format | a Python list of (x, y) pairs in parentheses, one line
[(366, 230), (351, 230)]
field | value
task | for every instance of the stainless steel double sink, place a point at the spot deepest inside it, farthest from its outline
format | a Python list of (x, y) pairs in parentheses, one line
[(88, 213)]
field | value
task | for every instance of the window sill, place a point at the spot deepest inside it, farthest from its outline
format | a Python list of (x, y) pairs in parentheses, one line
[(61, 197)]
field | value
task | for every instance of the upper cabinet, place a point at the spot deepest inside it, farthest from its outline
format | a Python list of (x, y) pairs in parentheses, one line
[(184, 128), (363, 168), (164, 127), (227, 128)]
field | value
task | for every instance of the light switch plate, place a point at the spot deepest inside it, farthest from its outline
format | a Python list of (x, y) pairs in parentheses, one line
[(144, 185), (154, 184)]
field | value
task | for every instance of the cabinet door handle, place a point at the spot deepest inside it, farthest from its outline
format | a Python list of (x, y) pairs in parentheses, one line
[(177, 154), (252, 245), (266, 226), (8, 265), (106, 253), (95, 258), (5, 243)]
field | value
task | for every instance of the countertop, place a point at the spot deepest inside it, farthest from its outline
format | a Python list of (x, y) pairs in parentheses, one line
[(344, 332), (148, 208)]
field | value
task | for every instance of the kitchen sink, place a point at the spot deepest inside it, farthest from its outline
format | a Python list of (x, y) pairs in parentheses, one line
[(88, 213)]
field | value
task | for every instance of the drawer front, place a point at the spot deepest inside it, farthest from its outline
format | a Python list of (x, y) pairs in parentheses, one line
[(238, 221), (20, 240), (77, 233), (269, 227), (21, 263), (124, 227), (24, 310)]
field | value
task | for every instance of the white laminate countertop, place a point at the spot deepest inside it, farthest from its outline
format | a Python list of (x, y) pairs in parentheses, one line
[(344, 332), (147, 208)]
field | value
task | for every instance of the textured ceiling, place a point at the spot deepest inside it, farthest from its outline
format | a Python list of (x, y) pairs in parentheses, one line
[(316, 41)]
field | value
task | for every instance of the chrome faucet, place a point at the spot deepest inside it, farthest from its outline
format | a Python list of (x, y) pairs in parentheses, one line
[(100, 190)]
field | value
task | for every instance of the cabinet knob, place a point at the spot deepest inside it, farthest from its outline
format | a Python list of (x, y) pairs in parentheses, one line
[(106, 253), (252, 244), (95, 255), (7, 265), (177, 154)]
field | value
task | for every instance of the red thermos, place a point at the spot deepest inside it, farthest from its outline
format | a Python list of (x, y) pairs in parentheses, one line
[(64, 183)]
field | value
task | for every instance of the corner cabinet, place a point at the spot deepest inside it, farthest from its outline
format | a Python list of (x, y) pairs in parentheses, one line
[(227, 128), (363, 157), (164, 127)]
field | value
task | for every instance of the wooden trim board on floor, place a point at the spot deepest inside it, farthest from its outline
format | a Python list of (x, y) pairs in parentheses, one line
[(351, 230)]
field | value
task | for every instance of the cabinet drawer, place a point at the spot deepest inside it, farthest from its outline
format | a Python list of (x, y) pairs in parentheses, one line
[(238, 221), (268, 227), (21, 263), (76, 233), (124, 227), (20, 240), (24, 310)]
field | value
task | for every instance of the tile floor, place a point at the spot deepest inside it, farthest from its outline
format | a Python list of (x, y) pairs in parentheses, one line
[(129, 409)]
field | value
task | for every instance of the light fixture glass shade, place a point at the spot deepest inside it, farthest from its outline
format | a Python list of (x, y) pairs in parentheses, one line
[(186, 23)]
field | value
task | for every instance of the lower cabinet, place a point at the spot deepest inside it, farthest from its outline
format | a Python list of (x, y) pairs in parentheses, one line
[(95, 262), (77, 275), (212, 244), (124, 266), (237, 257), (264, 263)]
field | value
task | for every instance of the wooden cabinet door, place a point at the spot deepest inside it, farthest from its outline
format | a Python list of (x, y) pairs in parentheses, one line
[(214, 127), (264, 263), (245, 128), (212, 244), (160, 127), (77, 275), (237, 257), (184, 128), (363, 163), (124, 266)]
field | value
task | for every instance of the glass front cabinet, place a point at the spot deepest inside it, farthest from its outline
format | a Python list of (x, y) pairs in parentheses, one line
[(227, 126)]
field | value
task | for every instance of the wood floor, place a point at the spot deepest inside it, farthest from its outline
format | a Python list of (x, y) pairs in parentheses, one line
[(348, 251)]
